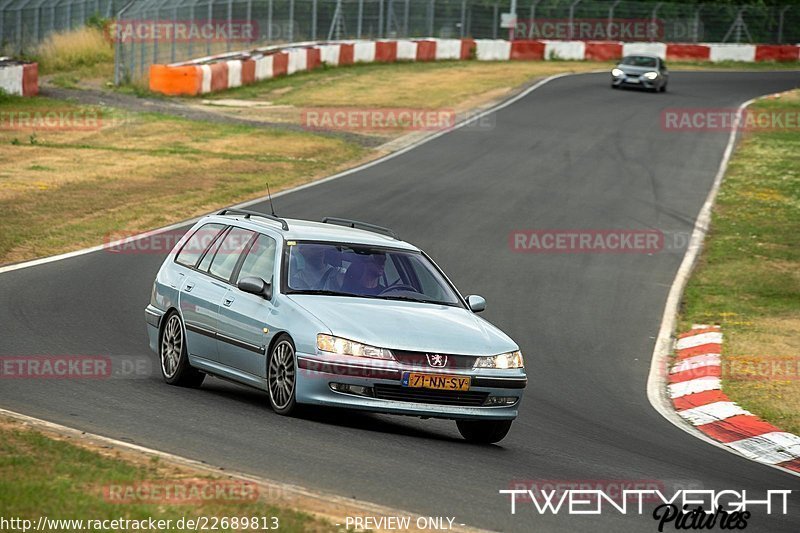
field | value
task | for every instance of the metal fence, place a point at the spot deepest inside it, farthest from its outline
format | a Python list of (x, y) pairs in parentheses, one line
[(164, 31), (24, 23)]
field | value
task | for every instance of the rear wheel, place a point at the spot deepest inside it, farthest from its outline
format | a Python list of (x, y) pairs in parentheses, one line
[(282, 376), (175, 367), (484, 431)]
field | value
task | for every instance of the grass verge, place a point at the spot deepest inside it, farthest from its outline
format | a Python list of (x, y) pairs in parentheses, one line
[(99, 170), (748, 278), (42, 476)]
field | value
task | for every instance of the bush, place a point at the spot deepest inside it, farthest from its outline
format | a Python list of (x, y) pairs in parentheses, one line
[(66, 51)]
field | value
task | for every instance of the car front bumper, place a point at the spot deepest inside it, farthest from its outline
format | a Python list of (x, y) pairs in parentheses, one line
[(317, 372), (635, 81)]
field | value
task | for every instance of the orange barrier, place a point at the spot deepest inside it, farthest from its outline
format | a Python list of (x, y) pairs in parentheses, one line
[(467, 48), (313, 58), (280, 64), (426, 50), (346, 52), (219, 76), (678, 52), (777, 52), (30, 79), (600, 51), (176, 80), (386, 51), (523, 49), (248, 71)]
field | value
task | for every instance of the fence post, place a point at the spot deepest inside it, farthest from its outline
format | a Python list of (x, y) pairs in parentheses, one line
[(269, 20), (389, 16), (405, 18), (653, 18), (290, 36), (314, 20), (210, 15), (431, 15), (380, 19), (572, 18), (495, 22), (611, 18), (360, 18), (463, 18), (780, 23)]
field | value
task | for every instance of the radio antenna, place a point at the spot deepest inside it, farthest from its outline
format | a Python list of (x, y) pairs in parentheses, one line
[(269, 195)]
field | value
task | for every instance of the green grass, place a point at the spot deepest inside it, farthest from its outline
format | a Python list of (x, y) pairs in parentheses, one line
[(40, 476), (748, 278)]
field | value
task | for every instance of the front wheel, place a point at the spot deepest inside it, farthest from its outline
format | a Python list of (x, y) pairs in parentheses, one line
[(483, 431), (282, 376), (174, 356)]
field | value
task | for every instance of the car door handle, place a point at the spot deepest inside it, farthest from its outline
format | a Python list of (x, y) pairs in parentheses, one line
[(189, 286), (227, 301)]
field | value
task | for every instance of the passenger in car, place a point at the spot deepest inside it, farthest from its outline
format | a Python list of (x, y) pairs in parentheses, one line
[(314, 268)]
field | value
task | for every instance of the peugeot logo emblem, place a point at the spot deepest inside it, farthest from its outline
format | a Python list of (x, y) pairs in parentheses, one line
[(436, 360)]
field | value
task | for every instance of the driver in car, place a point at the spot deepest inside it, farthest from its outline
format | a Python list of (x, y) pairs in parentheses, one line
[(365, 276)]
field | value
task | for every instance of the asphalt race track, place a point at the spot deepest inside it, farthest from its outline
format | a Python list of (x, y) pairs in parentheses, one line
[(573, 154)]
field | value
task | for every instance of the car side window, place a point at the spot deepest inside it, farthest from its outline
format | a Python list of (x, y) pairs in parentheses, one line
[(194, 247), (229, 251), (205, 262), (260, 260)]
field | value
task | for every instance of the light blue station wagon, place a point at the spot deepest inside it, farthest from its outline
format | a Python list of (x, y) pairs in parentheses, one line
[(339, 313)]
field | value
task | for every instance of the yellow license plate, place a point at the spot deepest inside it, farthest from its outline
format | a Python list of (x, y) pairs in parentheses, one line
[(436, 381)]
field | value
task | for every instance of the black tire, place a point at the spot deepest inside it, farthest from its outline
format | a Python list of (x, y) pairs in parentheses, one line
[(484, 431), (664, 88), (173, 356), (282, 376), (613, 86)]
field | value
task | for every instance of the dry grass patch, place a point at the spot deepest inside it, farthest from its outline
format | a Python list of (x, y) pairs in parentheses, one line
[(66, 189)]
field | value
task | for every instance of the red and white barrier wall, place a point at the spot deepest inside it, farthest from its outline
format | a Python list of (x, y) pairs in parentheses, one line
[(695, 387), (19, 78), (215, 73)]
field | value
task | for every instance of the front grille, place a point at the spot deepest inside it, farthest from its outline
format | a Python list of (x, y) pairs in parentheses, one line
[(420, 360), (411, 394)]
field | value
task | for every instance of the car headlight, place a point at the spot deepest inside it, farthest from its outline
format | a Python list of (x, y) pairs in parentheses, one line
[(504, 360), (617, 73), (339, 346), (651, 75)]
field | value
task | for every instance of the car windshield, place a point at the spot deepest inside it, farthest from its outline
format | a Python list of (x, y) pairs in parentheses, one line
[(639, 61), (365, 271)]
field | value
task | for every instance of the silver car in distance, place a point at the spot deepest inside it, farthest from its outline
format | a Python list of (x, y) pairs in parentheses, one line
[(340, 313)]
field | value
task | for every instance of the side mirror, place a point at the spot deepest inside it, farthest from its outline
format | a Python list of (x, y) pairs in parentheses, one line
[(476, 303), (257, 286)]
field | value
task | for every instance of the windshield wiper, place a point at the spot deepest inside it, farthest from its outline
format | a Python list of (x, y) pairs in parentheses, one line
[(411, 299)]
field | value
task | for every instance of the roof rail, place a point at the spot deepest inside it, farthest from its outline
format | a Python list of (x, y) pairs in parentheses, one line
[(360, 225), (248, 214)]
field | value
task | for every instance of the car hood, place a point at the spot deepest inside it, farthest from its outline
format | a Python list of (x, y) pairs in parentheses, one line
[(636, 71), (406, 325)]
